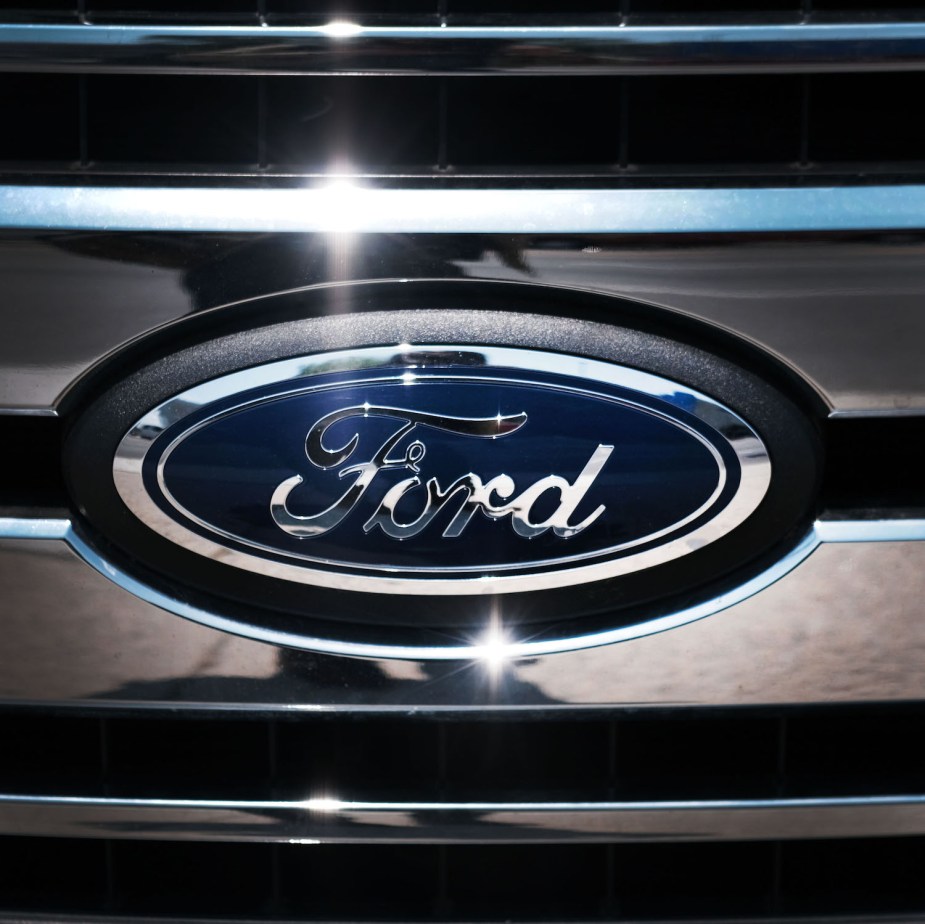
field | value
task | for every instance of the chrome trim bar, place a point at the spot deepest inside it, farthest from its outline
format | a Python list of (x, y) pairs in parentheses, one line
[(34, 528), (342, 206), (333, 821), (346, 48), (871, 530)]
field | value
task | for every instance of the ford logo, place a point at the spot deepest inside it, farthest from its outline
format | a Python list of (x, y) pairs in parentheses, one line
[(441, 469), (353, 471)]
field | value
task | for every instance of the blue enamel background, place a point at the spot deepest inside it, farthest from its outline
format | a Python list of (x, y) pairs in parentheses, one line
[(226, 467)]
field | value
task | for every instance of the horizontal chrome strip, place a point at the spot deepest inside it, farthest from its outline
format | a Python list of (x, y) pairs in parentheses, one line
[(346, 48), (37, 528), (347, 208), (870, 530), (331, 820)]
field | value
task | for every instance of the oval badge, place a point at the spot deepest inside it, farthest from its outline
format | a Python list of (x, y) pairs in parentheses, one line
[(390, 483), (441, 469)]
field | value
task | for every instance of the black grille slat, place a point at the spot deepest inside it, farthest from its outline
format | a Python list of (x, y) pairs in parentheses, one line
[(854, 877), (840, 756), (733, 10), (325, 759), (172, 120), (649, 882), (47, 754), (517, 760), (180, 759), (53, 875), (568, 122), (638, 129), (229, 880), (418, 11), (748, 754), (339, 124), (711, 120), (866, 119), (720, 759), (54, 137)]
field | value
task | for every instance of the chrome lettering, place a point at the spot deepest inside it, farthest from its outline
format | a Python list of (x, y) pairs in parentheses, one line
[(495, 498)]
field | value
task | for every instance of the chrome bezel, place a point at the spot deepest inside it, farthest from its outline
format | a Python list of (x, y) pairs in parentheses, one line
[(542, 574), (343, 205)]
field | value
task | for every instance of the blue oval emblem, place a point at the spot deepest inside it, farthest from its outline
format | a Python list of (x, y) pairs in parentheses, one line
[(442, 470)]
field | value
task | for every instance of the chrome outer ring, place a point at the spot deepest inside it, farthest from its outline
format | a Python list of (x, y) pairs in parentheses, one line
[(748, 447)]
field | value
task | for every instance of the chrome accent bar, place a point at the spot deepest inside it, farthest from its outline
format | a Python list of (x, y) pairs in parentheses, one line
[(333, 821), (34, 528), (871, 530), (347, 48), (343, 207)]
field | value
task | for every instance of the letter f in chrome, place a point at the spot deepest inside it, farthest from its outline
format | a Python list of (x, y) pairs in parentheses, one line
[(494, 498)]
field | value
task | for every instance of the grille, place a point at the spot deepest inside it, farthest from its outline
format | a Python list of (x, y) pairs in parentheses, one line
[(304, 11), (832, 751), (634, 130), (523, 883), (637, 756), (762, 814)]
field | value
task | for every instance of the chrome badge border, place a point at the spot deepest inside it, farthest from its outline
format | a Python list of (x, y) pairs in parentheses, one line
[(298, 372)]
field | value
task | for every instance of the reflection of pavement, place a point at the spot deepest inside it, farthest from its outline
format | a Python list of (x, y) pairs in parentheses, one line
[(811, 303), (69, 632), (55, 322), (848, 314), (847, 624)]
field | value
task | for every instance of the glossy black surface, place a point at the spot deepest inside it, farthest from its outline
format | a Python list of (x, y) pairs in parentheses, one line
[(526, 129), (796, 642), (845, 312)]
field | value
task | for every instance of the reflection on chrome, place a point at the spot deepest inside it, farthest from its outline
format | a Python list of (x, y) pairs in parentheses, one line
[(553, 49), (481, 211), (494, 648), (323, 804), (340, 28), (453, 822)]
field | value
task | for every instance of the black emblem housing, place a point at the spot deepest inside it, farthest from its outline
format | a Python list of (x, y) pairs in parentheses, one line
[(409, 319)]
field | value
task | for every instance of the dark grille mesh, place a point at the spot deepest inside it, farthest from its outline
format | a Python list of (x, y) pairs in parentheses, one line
[(641, 882), (627, 130), (739, 754), (428, 11)]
